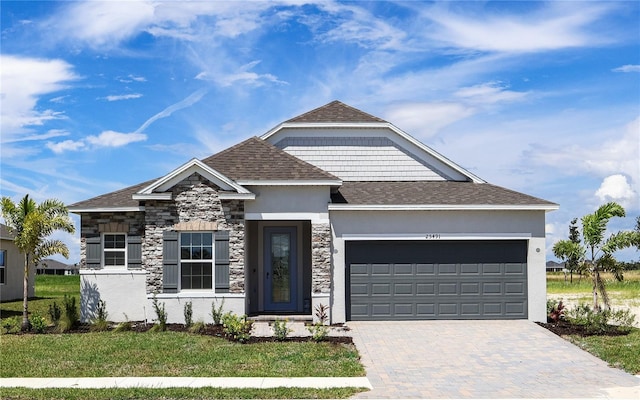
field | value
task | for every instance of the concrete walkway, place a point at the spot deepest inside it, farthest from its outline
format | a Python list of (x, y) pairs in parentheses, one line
[(187, 382), (481, 359)]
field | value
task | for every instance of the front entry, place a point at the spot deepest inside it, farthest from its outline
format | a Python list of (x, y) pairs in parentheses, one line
[(280, 269)]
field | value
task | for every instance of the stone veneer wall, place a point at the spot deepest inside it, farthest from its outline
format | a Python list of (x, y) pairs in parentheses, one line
[(194, 199), (320, 258), (90, 224)]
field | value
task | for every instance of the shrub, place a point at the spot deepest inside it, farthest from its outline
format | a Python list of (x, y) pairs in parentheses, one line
[(236, 327), (100, 322), (216, 312), (38, 323), (197, 327), (555, 312), (319, 331), (70, 316), (188, 314), (599, 322), (11, 325), (281, 330), (124, 326), (54, 313), (161, 315)]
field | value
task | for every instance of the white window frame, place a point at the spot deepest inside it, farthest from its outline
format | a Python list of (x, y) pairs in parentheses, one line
[(3, 266), (104, 250), (189, 261)]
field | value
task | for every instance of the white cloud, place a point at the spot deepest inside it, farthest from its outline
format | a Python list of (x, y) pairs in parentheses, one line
[(123, 97), (627, 68), (617, 188), (115, 139), (184, 103), (66, 145), (426, 119), (24, 80), (132, 78), (554, 26), (489, 93)]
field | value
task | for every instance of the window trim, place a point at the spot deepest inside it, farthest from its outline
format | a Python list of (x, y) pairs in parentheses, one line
[(125, 250), (3, 266), (212, 260)]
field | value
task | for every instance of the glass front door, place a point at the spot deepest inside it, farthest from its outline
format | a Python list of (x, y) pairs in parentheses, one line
[(280, 261)]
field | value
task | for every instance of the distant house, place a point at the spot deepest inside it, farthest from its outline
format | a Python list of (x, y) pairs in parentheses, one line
[(12, 268), (52, 267), (553, 266)]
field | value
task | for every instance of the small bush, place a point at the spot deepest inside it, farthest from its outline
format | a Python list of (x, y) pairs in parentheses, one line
[(556, 312), (124, 326), (38, 323), (11, 325), (188, 314), (197, 327), (319, 331), (236, 327), (161, 315), (70, 316), (100, 322), (322, 313), (281, 330), (600, 322), (216, 312), (55, 312)]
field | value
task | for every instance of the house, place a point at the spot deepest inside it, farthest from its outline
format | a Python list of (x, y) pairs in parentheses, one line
[(553, 266), (12, 268), (334, 207), (49, 266)]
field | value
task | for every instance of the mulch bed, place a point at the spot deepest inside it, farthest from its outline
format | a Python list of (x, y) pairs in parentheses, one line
[(565, 328)]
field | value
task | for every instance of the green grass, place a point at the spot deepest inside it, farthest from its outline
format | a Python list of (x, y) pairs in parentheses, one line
[(619, 351), (169, 354), (177, 393), (628, 289), (48, 288)]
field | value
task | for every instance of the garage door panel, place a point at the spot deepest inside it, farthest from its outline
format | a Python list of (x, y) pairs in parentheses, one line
[(457, 286)]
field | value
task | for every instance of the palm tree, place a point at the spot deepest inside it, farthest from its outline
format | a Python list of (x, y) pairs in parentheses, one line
[(596, 255), (32, 223)]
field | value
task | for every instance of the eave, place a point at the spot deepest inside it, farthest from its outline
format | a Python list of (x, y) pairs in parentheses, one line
[(443, 207)]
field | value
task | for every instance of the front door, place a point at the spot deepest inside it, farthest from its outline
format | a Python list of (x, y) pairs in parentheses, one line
[(280, 269)]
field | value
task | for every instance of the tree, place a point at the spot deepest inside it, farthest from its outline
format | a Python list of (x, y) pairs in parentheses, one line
[(573, 262), (32, 223), (597, 254)]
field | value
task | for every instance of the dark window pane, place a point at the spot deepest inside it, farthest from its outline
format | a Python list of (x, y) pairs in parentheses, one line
[(2, 275), (2, 255), (196, 239), (185, 239), (196, 269), (113, 258), (206, 282), (206, 253), (207, 239), (196, 282), (206, 269), (196, 253), (185, 253)]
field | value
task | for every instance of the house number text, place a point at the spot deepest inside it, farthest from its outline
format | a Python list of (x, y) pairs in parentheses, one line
[(432, 236)]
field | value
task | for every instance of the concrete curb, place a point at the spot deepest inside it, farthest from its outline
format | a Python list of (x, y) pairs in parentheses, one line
[(187, 382)]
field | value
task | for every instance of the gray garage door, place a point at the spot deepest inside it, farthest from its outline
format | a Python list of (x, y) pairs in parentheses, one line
[(407, 280)]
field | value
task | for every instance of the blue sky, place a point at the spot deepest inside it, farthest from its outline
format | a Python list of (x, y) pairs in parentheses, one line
[(539, 97)]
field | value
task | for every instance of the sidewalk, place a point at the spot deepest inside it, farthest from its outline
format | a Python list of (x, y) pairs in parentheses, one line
[(188, 382)]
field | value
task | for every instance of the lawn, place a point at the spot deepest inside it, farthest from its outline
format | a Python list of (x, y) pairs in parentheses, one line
[(160, 354), (619, 351)]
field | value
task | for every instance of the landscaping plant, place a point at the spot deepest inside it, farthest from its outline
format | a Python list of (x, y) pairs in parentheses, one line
[(236, 327), (555, 311), (216, 312), (100, 322), (70, 316), (38, 323), (602, 322), (55, 312), (188, 314), (319, 331), (161, 316), (281, 330)]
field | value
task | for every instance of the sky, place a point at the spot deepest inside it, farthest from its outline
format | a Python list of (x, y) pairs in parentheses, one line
[(539, 97)]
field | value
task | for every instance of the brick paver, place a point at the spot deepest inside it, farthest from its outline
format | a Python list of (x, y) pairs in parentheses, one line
[(481, 359)]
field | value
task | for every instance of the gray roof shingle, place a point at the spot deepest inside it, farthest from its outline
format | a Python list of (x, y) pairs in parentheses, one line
[(430, 193), (256, 160), (335, 111)]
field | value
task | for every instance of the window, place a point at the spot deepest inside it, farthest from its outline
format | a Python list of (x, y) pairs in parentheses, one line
[(115, 250), (3, 264), (196, 260)]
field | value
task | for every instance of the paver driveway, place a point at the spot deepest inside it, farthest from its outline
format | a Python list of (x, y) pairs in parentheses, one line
[(481, 359)]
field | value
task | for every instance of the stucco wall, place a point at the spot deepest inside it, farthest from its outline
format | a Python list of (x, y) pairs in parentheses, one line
[(288, 199)]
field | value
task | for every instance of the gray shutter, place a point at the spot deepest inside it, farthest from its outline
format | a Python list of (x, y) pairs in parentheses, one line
[(170, 266), (134, 252), (93, 252), (222, 261)]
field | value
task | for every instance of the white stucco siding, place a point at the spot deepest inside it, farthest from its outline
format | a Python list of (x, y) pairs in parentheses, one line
[(451, 225), (288, 202), (367, 153), (13, 286)]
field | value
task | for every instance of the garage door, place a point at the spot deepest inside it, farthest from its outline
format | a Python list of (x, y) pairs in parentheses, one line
[(405, 280)]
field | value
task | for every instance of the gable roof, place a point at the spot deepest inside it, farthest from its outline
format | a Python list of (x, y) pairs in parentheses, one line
[(5, 233), (120, 200), (255, 160), (433, 195), (336, 111)]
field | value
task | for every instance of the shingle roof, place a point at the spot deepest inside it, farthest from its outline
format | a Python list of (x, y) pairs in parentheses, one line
[(5, 233), (430, 193), (335, 111), (256, 160)]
